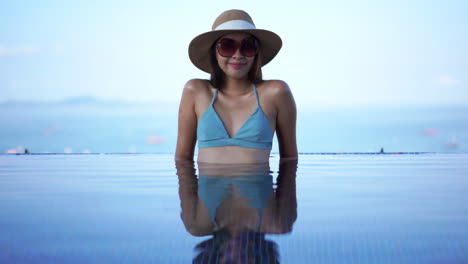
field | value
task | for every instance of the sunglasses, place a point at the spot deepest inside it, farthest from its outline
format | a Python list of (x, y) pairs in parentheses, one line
[(227, 47)]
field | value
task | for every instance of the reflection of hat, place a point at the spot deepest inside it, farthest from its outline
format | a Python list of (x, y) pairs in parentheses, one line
[(232, 21)]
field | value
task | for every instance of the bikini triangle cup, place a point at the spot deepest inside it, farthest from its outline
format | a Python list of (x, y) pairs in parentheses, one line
[(256, 132)]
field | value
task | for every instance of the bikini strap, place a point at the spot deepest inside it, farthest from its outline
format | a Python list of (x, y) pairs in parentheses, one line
[(214, 96), (256, 94)]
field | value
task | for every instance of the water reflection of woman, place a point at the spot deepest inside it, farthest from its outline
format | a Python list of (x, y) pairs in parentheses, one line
[(237, 205)]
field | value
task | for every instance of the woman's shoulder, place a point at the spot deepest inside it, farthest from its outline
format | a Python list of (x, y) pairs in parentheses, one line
[(197, 85), (274, 87), (278, 93), (199, 91)]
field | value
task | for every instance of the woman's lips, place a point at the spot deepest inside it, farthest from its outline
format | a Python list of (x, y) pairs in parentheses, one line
[(236, 65)]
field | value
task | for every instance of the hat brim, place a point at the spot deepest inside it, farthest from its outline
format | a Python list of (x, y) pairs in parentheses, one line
[(199, 48)]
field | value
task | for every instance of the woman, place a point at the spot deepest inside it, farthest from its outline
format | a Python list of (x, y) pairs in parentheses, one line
[(237, 206), (235, 114)]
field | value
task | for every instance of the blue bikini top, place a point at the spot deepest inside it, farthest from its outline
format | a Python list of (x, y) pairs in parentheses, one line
[(256, 132)]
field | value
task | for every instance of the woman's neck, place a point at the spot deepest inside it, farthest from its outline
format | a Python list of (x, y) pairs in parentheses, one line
[(236, 87)]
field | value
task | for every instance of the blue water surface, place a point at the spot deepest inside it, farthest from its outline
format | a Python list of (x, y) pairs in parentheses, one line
[(62, 128), (380, 208)]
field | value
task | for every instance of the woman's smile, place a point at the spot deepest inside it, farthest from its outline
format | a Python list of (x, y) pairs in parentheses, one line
[(236, 65)]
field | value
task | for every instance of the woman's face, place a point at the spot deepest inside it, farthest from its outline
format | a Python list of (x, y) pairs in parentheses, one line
[(238, 65)]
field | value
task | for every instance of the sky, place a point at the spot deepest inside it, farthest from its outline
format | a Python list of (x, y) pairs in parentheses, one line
[(356, 52)]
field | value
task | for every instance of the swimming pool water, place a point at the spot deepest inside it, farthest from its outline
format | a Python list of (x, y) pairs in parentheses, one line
[(408, 208)]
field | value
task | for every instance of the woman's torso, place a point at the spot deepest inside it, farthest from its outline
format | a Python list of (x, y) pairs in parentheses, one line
[(236, 196), (234, 111)]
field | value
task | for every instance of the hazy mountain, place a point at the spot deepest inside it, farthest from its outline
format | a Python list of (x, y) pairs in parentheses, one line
[(90, 103)]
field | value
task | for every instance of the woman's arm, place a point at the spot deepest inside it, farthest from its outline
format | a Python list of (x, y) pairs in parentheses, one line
[(195, 217), (187, 128), (286, 121), (285, 196)]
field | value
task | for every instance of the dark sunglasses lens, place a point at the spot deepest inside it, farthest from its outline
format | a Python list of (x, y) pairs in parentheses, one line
[(249, 47), (227, 47)]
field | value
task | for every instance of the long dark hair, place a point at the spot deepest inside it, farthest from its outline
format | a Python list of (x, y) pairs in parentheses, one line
[(248, 247), (218, 77)]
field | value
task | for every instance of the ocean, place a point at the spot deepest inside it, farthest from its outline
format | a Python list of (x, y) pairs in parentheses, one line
[(152, 128)]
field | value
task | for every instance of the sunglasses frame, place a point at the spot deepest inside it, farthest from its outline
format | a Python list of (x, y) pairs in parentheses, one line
[(241, 46)]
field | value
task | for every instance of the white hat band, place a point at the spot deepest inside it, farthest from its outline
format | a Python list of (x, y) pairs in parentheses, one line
[(235, 24)]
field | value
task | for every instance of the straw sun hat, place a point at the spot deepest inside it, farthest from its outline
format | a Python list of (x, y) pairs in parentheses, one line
[(232, 21)]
